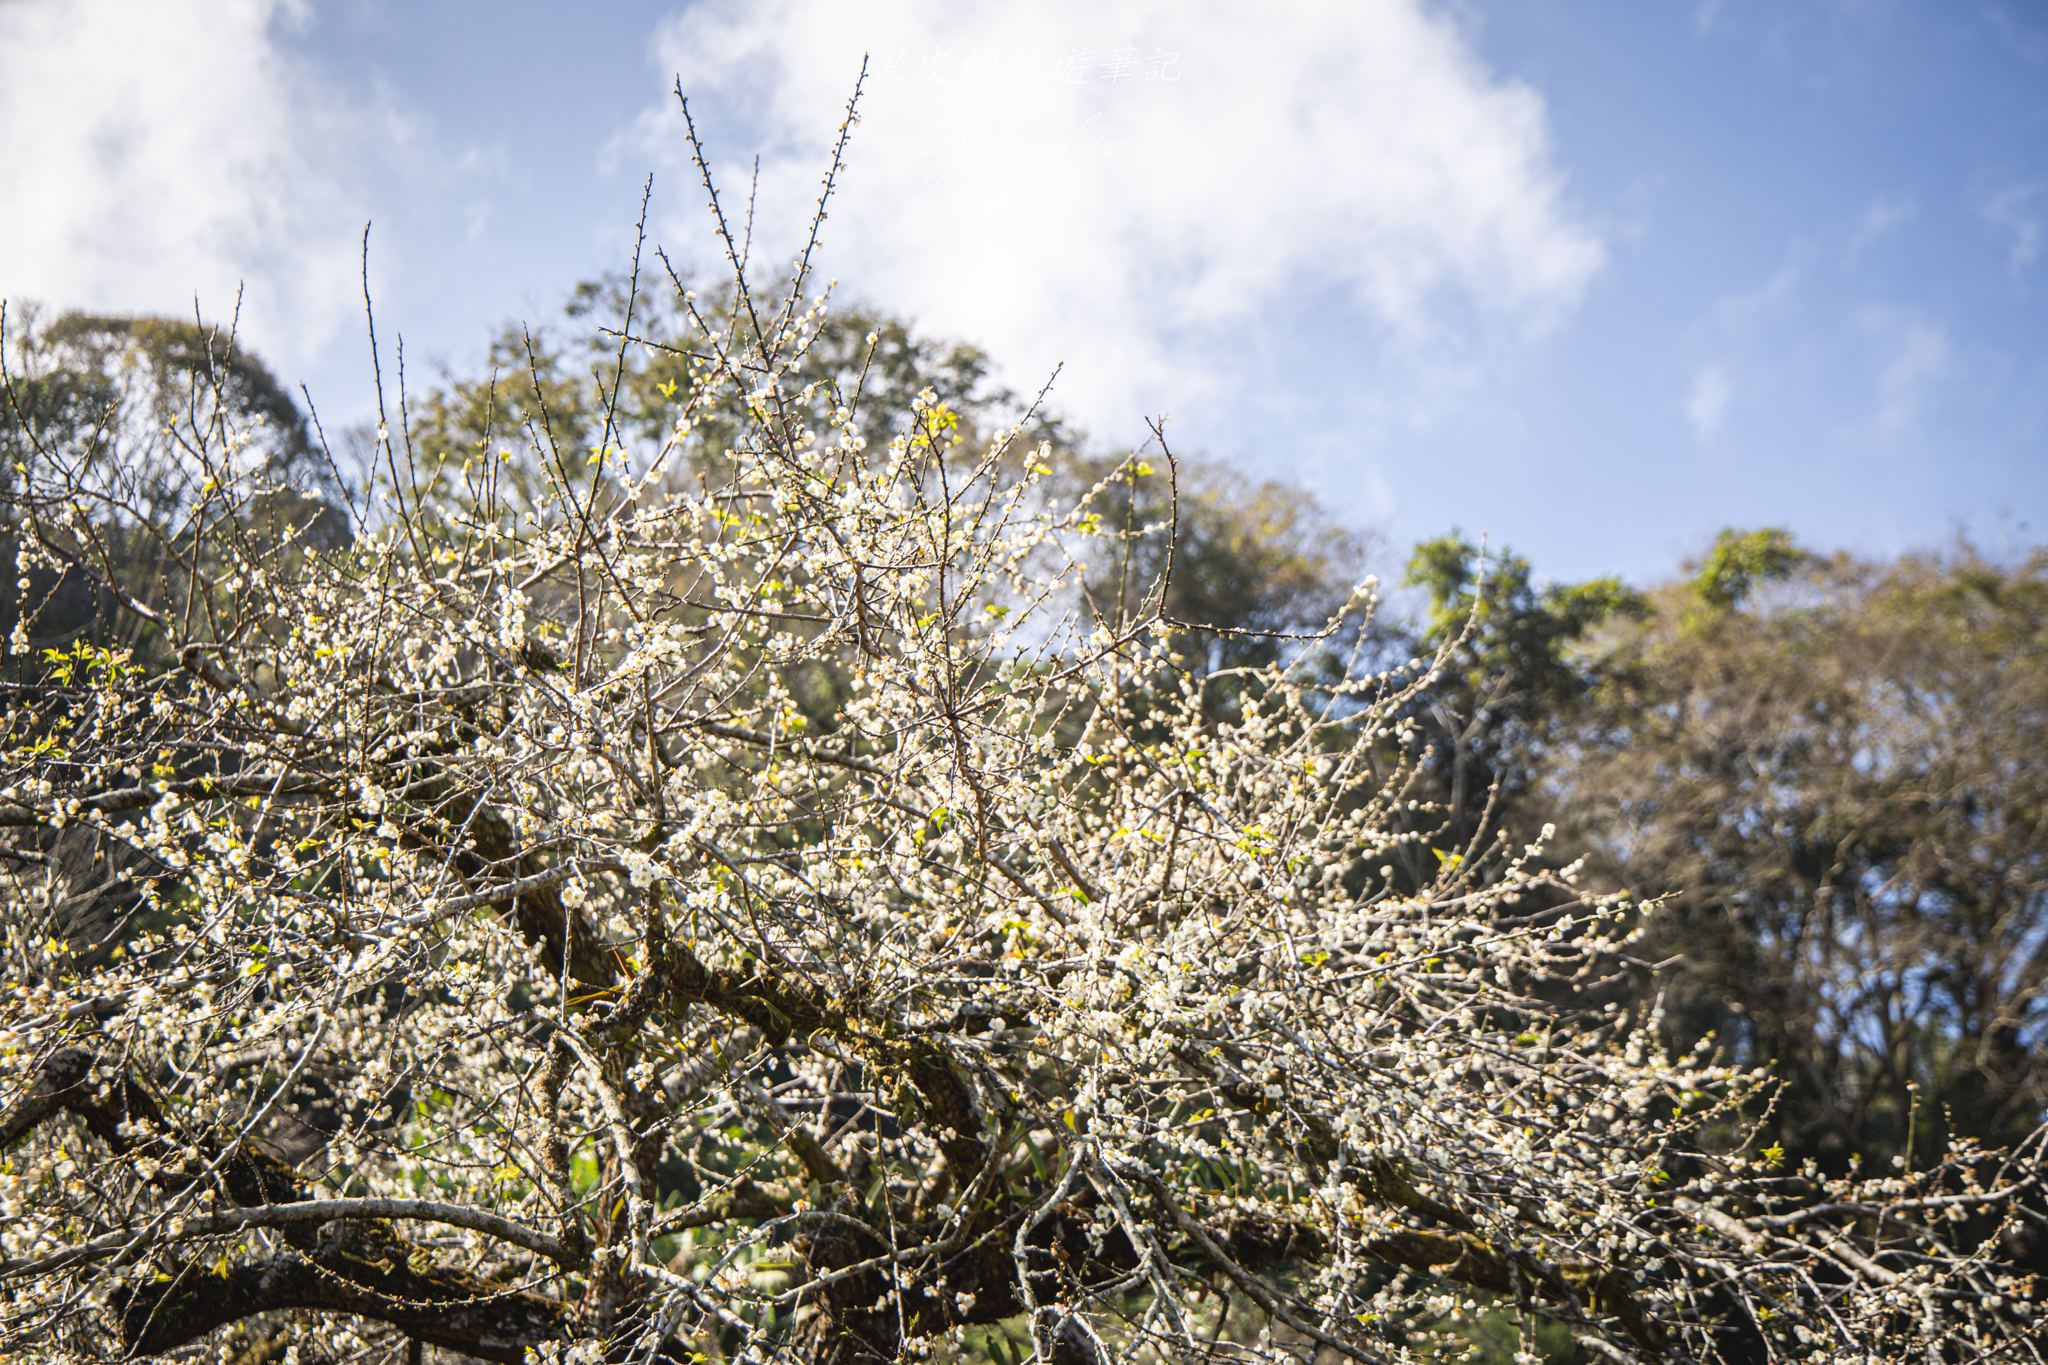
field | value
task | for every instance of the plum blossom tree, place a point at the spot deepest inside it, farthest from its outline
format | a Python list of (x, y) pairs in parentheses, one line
[(498, 945)]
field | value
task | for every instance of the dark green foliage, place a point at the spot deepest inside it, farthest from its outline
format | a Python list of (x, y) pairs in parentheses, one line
[(1843, 788), (1516, 663)]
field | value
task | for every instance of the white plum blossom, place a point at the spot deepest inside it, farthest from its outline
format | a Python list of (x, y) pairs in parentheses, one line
[(760, 908)]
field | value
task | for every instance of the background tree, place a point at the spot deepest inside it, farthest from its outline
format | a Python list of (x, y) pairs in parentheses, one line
[(1836, 766), (1253, 571), (150, 413), (1514, 660), (609, 373)]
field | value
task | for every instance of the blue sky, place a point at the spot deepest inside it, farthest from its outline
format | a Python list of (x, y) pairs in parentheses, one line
[(1594, 279)]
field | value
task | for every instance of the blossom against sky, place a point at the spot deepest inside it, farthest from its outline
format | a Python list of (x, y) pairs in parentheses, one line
[(1592, 281)]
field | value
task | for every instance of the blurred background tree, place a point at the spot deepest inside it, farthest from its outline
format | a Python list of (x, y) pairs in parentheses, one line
[(1832, 769), (131, 403), (1520, 667), (1835, 766)]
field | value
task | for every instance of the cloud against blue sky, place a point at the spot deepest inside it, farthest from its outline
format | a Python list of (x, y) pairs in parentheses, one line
[(153, 152), (1594, 282), (1148, 193)]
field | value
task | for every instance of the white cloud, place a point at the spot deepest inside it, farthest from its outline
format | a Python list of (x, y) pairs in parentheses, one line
[(1706, 402), (1915, 357), (1144, 191), (158, 149), (1770, 302), (1882, 218), (2015, 211)]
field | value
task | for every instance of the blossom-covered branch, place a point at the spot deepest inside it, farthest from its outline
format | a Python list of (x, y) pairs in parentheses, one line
[(746, 898)]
